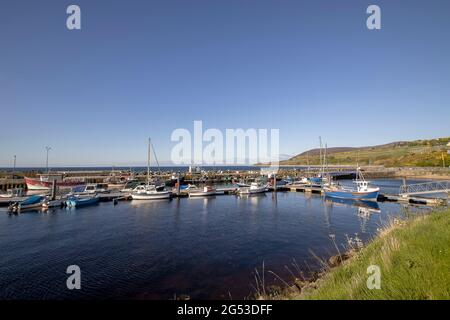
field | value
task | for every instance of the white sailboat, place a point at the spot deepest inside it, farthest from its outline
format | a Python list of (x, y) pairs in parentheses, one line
[(149, 191)]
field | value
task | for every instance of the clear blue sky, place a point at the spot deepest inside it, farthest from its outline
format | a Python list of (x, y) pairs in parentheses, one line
[(145, 68)]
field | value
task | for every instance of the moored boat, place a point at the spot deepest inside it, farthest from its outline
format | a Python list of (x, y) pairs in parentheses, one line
[(33, 202), (81, 201), (253, 189), (149, 191), (48, 203), (45, 181), (363, 190), (12, 193), (92, 188), (193, 191)]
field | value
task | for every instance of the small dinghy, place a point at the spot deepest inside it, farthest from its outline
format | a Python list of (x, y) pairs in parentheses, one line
[(82, 201)]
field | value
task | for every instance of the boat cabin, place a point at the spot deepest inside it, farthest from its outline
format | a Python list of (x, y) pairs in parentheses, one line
[(362, 185)]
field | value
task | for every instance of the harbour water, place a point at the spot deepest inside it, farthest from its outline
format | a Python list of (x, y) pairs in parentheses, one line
[(205, 248)]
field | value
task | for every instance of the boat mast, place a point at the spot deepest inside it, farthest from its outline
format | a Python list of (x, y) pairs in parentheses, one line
[(320, 152), (148, 161), (325, 160), (307, 163), (358, 172)]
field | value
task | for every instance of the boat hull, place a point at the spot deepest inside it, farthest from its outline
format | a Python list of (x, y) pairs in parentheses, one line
[(151, 196), (252, 191), (202, 193), (352, 195), (36, 184), (52, 204), (82, 202)]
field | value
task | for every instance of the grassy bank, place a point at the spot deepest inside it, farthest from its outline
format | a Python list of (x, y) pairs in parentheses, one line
[(414, 258)]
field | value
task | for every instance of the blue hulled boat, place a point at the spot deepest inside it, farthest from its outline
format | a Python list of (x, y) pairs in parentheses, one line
[(82, 201), (33, 202), (362, 191)]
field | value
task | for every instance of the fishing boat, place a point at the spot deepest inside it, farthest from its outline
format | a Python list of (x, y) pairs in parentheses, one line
[(33, 202), (94, 188), (82, 201), (207, 191), (12, 193), (150, 191), (362, 191), (253, 189), (45, 181)]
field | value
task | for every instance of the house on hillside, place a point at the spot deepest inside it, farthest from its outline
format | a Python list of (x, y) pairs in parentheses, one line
[(448, 148)]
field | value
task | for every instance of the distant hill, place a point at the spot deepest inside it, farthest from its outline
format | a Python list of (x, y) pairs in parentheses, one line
[(419, 153)]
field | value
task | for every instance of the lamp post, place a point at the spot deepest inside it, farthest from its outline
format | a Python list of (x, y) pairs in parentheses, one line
[(46, 163), (14, 170)]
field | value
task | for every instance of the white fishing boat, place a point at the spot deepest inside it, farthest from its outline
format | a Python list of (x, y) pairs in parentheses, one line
[(253, 189), (12, 193), (96, 188), (149, 191), (194, 191)]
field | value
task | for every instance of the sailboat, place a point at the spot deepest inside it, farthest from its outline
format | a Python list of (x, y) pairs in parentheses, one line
[(363, 190), (149, 191)]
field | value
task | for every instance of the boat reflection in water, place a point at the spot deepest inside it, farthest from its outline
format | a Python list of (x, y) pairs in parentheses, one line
[(365, 209), (371, 206)]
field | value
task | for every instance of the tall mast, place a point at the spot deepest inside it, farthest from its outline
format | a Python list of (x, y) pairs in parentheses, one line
[(307, 163), (358, 172), (320, 150), (325, 160), (148, 160)]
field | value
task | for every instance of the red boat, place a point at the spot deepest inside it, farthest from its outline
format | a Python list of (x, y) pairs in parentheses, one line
[(45, 182)]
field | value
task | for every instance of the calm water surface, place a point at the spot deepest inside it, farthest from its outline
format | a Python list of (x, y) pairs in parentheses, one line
[(205, 248)]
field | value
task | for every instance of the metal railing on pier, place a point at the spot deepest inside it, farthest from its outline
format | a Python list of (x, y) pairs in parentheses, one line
[(425, 188)]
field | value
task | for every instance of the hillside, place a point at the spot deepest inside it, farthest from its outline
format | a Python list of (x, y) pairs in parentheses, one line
[(419, 153)]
